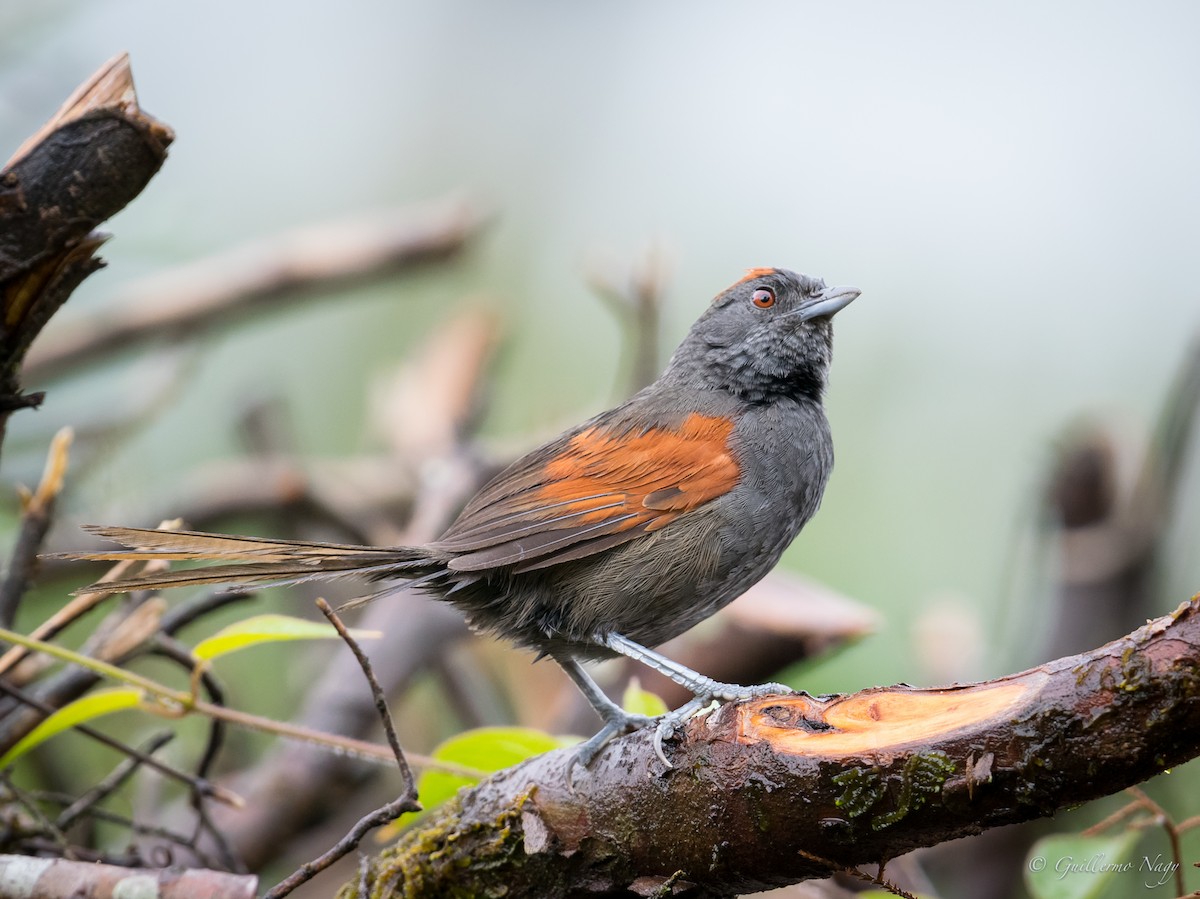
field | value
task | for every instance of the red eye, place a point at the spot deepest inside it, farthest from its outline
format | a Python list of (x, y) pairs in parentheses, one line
[(764, 298)]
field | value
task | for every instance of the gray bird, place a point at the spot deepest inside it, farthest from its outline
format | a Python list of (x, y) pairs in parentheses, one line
[(624, 531)]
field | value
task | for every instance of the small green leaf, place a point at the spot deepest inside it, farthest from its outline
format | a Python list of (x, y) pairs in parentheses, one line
[(268, 629), (485, 750), (94, 705), (642, 702), (1070, 866)]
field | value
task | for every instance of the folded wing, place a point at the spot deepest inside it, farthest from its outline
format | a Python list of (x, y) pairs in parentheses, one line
[(598, 489)]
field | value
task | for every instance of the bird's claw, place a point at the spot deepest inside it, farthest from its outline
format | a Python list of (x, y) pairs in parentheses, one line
[(665, 731), (614, 726), (666, 726), (717, 693), (671, 721)]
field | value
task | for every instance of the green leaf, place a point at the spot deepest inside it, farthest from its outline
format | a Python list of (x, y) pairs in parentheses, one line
[(642, 702), (484, 750), (269, 629), (94, 705), (1069, 866)]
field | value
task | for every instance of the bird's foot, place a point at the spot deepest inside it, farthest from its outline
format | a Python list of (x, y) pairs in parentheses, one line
[(711, 692), (671, 722), (616, 722)]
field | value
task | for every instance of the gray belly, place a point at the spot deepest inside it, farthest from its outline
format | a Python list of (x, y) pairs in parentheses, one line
[(661, 584), (650, 590)]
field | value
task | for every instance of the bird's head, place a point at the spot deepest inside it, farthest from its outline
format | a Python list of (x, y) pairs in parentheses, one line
[(768, 335)]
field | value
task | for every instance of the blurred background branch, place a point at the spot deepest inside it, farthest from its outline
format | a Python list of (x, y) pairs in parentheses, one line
[(304, 263)]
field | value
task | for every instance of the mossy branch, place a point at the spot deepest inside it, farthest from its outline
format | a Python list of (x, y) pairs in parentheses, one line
[(848, 779)]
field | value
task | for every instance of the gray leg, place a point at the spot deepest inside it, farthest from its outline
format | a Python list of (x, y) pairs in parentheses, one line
[(616, 719), (702, 687), (705, 689)]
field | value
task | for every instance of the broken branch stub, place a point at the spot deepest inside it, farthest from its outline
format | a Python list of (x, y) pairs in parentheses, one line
[(86, 164)]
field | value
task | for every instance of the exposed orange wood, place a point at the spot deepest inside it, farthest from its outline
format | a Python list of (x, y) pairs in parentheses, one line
[(885, 719)]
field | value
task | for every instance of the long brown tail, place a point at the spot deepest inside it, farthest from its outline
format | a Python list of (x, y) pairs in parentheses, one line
[(248, 560)]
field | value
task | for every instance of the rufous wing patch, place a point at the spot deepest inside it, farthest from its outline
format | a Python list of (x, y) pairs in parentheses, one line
[(662, 473), (605, 487)]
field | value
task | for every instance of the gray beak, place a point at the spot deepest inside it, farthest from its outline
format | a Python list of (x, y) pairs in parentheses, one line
[(827, 302)]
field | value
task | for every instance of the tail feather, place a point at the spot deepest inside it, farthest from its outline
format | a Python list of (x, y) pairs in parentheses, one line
[(199, 545), (249, 560)]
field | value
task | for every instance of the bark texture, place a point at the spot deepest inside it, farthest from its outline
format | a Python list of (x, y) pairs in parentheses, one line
[(26, 876), (782, 789)]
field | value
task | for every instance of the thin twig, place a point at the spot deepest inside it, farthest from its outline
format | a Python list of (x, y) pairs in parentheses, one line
[(77, 607), (1168, 825), (113, 782), (364, 874), (361, 749), (157, 831), (170, 648), (306, 872), (385, 716), (37, 514), (1115, 818), (205, 824), (208, 789), (178, 617), (406, 802), (858, 874), (49, 829)]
